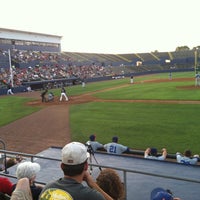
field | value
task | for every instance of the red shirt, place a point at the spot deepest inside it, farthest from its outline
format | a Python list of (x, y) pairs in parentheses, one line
[(5, 185)]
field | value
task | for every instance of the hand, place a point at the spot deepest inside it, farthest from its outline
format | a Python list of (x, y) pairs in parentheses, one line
[(88, 179)]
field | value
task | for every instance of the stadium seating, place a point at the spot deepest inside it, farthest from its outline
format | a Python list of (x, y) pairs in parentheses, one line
[(139, 175)]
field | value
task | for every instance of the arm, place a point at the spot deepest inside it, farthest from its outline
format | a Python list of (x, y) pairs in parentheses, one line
[(22, 189), (91, 183), (147, 152), (164, 152)]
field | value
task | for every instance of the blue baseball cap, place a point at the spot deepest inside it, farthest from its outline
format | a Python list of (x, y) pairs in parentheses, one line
[(160, 194), (153, 151), (92, 137), (115, 139)]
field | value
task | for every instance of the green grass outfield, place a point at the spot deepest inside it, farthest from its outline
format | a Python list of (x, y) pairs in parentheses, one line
[(138, 125)]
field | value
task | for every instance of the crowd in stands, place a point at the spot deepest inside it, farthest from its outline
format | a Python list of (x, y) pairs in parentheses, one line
[(47, 66)]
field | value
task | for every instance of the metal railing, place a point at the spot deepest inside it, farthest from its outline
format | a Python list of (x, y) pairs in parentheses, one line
[(123, 170)]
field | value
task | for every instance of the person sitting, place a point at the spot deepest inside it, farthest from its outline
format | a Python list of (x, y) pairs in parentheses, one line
[(115, 148), (29, 170), (110, 182), (13, 161), (22, 190), (151, 153), (5, 185), (94, 144), (74, 165), (161, 194), (187, 158)]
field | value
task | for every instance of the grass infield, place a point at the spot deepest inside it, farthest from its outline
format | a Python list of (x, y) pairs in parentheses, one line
[(138, 125)]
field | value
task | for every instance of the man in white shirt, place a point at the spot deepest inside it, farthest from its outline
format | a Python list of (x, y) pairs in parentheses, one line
[(115, 148), (187, 158), (93, 143), (151, 153)]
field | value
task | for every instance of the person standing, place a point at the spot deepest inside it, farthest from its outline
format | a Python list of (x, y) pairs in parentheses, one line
[(74, 164), (115, 148), (170, 75), (63, 94), (131, 80), (43, 95)]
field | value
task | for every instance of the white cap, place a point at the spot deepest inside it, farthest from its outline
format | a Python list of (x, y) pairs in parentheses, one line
[(74, 153)]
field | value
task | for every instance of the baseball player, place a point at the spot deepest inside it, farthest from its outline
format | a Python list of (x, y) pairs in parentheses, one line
[(151, 153), (63, 94), (94, 144), (187, 158), (115, 148)]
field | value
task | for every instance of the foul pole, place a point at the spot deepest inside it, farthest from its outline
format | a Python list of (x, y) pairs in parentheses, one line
[(11, 71)]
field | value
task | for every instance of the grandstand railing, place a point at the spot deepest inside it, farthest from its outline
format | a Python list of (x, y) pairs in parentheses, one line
[(123, 170)]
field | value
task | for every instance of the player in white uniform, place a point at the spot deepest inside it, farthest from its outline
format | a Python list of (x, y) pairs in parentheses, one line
[(151, 153), (94, 144), (63, 94), (187, 158), (115, 148)]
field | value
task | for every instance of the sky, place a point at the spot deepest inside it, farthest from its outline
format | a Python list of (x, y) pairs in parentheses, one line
[(108, 26)]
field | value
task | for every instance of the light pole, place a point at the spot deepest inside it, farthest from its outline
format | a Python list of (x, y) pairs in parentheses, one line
[(195, 61), (195, 66)]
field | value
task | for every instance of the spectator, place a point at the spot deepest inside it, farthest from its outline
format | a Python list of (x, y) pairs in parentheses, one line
[(63, 94), (110, 182), (151, 153), (161, 194), (187, 158), (29, 170), (94, 144), (115, 148), (22, 190), (5, 185), (75, 168), (13, 161)]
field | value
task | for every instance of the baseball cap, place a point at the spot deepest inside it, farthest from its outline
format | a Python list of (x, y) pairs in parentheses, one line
[(74, 153), (92, 137), (153, 151), (115, 139), (160, 194)]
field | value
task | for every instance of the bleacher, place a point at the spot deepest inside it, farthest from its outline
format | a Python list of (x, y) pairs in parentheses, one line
[(139, 175)]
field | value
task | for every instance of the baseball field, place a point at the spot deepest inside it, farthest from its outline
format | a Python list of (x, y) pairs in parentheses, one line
[(152, 112)]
